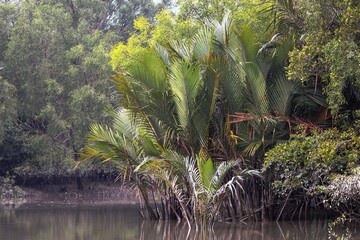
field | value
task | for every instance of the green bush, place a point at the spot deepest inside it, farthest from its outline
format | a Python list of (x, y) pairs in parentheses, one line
[(308, 164), (35, 157), (344, 192), (8, 191), (15, 149)]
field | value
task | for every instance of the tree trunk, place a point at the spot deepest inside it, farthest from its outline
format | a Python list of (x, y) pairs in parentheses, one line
[(145, 196)]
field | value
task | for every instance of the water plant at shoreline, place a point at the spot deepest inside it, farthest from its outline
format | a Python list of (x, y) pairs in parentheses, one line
[(195, 119)]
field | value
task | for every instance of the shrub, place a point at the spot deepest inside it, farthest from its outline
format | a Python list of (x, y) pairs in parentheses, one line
[(344, 192), (308, 164)]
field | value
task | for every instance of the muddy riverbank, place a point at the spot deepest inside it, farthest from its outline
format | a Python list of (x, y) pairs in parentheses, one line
[(93, 194)]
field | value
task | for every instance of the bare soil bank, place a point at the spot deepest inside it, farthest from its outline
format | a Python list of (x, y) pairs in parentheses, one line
[(93, 194)]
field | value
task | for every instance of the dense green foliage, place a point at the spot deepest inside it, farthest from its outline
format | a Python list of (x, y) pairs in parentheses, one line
[(321, 167), (344, 194), (201, 93), (194, 114), (245, 13), (310, 163), (55, 72), (55, 78), (147, 34), (327, 52)]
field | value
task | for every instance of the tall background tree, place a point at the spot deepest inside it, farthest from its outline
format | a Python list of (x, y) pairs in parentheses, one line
[(55, 76), (326, 54)]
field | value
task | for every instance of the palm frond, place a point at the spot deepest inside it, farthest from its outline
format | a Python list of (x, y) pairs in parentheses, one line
[(281, 94), (286, 17), (185, 83), (222, 32), (163, 53), (206, 102), (234, 86), (151, 166), (247, 43), (253, 147), (177, 163), (108, 145), (123, 123), (202, 44), (181, 50), (149, 74), (207, 171), (221, 171), (194, 177), (257, 89)]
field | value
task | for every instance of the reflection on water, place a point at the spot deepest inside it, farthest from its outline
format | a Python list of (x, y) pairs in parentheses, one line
[(221, 231), (124, 222), (80, 223)]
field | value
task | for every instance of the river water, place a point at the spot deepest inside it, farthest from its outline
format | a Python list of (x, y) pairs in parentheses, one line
[(124, 222)]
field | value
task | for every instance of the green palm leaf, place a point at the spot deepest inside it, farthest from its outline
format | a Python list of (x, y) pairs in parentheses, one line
[(185, 83)]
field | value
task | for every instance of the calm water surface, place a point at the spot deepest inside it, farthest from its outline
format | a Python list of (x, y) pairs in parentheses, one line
[(124, 222)]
